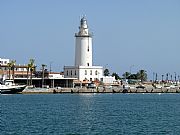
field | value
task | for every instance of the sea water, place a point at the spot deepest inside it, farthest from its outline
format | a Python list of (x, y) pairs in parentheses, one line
[(42, 114)]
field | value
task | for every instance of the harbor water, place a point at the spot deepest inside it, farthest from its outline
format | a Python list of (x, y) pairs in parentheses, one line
[(41, 114)]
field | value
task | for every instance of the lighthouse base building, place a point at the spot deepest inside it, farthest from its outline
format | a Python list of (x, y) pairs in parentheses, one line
[(84, 73), (83, 69)]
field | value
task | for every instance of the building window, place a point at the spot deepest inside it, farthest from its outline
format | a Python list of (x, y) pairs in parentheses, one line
[(90, 72), (88, 49), (71, 72), (88, 64), (75, 72), (90, 79), (96, 72), (67, 73), (85, 72)]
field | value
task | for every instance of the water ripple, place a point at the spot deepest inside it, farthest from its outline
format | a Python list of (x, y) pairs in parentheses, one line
[(74, 114)]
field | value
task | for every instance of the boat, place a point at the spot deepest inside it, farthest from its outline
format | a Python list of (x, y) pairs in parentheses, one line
[(10, 88)]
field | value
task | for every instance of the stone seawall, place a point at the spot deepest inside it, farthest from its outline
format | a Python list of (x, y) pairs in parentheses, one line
[(99, 90)]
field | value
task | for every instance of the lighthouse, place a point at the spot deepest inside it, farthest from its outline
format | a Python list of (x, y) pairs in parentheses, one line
[(83, 68), (83, 49)]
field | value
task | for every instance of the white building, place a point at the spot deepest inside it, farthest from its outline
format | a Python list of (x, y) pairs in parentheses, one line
[(83, 68), (108, 79), (3, 64), (4, 69), (4, 61)]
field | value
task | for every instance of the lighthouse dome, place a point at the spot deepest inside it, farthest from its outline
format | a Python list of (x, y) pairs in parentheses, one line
[(83, 21)]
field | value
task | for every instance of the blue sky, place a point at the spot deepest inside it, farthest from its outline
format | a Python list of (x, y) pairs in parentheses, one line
[(143, 33)]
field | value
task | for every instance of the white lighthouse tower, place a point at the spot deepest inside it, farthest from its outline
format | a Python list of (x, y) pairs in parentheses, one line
[(83, 50), (83, 69)]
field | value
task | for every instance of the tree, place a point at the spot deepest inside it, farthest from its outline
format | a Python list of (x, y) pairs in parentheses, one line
[(126, 75), (116, 76), (43, 66), (11, 66), (132, 76), (13, 63), (106, 72), (9, 70), (142, 75), (162, 77), (30, 67), (27, 75)]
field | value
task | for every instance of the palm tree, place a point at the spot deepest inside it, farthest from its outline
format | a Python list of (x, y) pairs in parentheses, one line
[(9, 70), (43, 66), (132, 76), (167, 76), (30, 67), (162, 77), (156, 77), (126, 75), (13, 63), (116, 76), (106, 72), (11, 66), (27, 75), (142, 75)]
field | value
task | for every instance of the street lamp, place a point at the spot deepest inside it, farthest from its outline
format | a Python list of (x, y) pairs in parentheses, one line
[(50, 64), (153, 76)]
